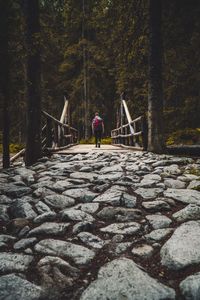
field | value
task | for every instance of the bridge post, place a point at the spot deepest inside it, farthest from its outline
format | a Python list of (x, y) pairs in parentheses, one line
[(48, 133), (144, 133)]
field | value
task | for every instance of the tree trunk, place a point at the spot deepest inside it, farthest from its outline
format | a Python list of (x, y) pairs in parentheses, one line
[(4, 77), (155, 97), (33, 139)]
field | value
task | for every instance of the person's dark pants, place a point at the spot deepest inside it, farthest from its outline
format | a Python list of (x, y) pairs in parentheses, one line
[(98, 134)]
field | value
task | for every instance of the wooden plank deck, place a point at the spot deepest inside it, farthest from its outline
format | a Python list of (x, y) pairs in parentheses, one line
[(85, 148)]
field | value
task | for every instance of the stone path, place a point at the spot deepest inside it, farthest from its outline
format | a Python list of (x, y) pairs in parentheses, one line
[(102, 225)]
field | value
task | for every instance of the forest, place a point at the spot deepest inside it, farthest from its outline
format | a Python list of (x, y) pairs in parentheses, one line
[(93, 50)]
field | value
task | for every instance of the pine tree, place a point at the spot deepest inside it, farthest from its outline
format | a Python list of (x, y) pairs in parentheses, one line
[(5, 7), (155, 97), (33, 139)]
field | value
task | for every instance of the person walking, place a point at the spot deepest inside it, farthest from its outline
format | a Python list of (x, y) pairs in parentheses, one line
[(97, 129)]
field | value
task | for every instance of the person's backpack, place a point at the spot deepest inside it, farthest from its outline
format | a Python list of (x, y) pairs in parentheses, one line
[(97, 123)]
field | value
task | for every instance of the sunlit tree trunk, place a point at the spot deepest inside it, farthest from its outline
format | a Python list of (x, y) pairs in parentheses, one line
[(33, 139), (155, 93), (4, 77)]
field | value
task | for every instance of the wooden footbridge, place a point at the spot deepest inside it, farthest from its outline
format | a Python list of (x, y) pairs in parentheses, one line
[(58, 136)]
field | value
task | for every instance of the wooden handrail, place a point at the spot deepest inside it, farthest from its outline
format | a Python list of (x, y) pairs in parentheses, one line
[(129, 134), (57, 121)]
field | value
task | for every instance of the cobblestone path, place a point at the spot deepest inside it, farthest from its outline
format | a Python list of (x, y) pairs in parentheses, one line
[(101, 226)]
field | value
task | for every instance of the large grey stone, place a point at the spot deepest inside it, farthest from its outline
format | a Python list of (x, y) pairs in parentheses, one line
[(182, 249), (143, 250), (109, 169), (76, 215), (83, 194), (195, 184), (42, 207), (89, 208), (61, 185), (190, 287), (5, 199), (84, 175), (158, 221), (5, 238), (48, 216), (172, 170), (158, 234), (12, 190), (184, 195), (55, 272), (111, 196), (24, 243), (24, 172), (190, 212), (4, 213), (13, 287), (110, 176), (91, 240), (78, 254), (83, 226), (119, 214), (12, 262), (50, 228), (174, 184), (123, 279), (59, 201), (156, 205), (42, 192), (122, 228), (148, 193), (22, 209), (149, 180)]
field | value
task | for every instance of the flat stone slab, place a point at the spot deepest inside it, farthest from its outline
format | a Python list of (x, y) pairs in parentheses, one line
[(48, 216), (158, 234), (174, 184), (76, 215), (22, 209), (59, 201), (24, 243), (110, 196), (156, 205), (91, 240), (56, 274), (119, 214), (172, 170), (12, 190), (78, 254), (123, 279), (13, 262), (42, 207), (61, 185), (184, 195), (89, 208), (13, 287), (84, 175), (83, 194), (186, 237), (5, 200), (122, 228), (50, 228), (143, 251), (148, 193), (5, 238), (190, 212), (195, 184), (158, 221)]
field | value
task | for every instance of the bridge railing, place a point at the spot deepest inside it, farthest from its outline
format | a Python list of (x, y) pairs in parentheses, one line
[(132, 134), (56, 134)]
